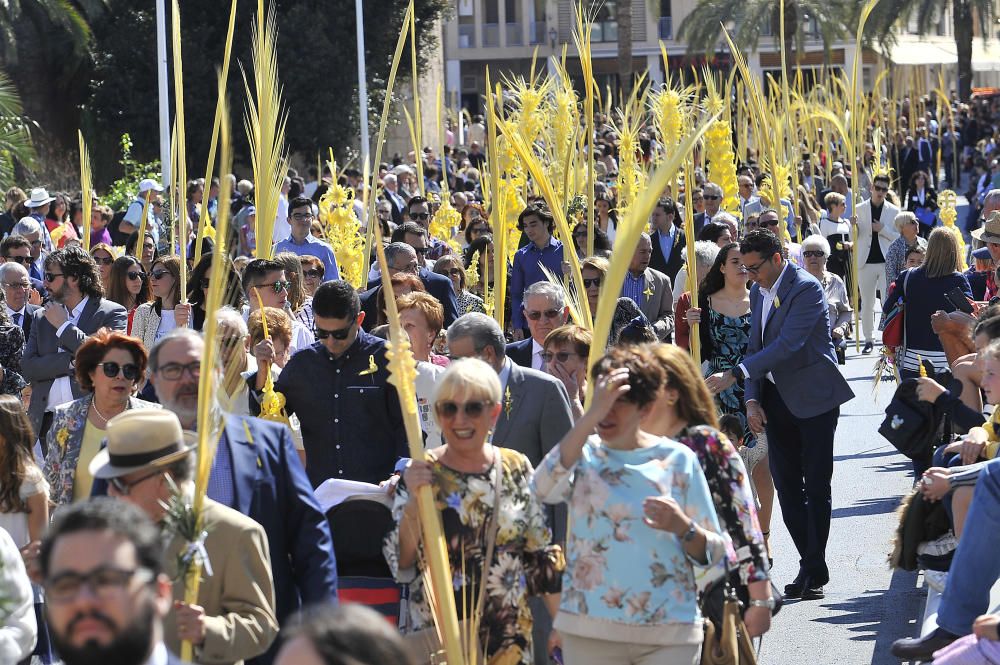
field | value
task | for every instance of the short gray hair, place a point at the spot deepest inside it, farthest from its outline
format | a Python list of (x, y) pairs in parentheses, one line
[(12, 267), (547, 289), (705, 252), (711, 188), (394, 249), (483, 331), (175, 334), (904, 217), (815, 242), (226, 315), (26, 227), (389, 177)]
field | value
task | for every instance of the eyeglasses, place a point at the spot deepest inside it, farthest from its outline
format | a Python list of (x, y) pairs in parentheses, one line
[(158, 274), (174, 371), (587, 283), (315, 272), (535, 315), (755, 269), (303, 217), (36, 243), (449, 409), (711, 197), (879, 188), (770, 222), (23, 260), (421, 251), (51, 276), (104, 582), (278, 286), (561, 356), (20, 286), (420, 216), (341, 334), (103, 262), (111, 370), (123, 487), (137, 274), (813, 253)]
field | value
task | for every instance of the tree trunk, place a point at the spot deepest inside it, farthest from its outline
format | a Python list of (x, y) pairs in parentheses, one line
[(962, 19), (624, 18)]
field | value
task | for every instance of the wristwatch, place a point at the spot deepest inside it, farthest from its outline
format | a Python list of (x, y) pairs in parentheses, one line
[(690, 533), (769, 603)]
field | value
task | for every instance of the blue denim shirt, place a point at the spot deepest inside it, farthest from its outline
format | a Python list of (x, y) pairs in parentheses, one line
[(312, 247), (352, 426), (527, 270)]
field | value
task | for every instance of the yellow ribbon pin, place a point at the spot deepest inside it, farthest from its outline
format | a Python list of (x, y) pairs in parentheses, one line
[(777, 302), (648, 292), (508, 402), (372, 367)]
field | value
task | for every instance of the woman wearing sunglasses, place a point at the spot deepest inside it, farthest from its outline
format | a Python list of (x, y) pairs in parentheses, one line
[(104, 257), (109, 365), (497, 540), (165, 312), (312, 272), (127, 286), (451, 267), (565, 352)]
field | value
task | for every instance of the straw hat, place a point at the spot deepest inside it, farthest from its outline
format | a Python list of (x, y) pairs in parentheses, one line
[(140, 439), (39, 197), (990, 231)]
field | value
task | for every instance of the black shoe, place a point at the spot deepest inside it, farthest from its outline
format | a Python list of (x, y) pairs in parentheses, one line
[(869, 347), (922, 648), (841, 356), (811, 590), (794, 589)]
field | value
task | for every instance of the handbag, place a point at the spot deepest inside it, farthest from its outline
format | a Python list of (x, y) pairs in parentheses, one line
[(911, 426), (425, 644), (893, 326), (713, 598), (727, 641)]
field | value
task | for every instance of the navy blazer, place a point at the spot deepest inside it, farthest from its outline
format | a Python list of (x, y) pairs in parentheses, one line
[(520, 352), (669, 265), (796, 347), (437, 285)]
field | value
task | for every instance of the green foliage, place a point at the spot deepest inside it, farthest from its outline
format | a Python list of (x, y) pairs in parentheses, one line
[(15, 134), (122, 191)]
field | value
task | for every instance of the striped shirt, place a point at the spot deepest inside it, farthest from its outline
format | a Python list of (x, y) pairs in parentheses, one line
[(633, 287)]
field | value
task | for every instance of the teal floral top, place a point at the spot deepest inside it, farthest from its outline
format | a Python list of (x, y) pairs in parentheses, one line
[(626, 581)]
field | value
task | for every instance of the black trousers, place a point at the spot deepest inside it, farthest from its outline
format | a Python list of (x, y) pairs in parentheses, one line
[(800, 451)]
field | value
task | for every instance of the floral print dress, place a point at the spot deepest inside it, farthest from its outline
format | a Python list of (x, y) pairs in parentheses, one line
[(524, 563)]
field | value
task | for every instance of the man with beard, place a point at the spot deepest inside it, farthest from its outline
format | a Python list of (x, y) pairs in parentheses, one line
[(105, 588), (76, 309), (149, 463)]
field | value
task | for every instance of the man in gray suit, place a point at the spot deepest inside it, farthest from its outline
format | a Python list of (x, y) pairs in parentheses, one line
[(76, 309), (650, 290), (534, 417)]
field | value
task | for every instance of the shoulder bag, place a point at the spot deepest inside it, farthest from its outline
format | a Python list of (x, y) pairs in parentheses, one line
[(727, 641)]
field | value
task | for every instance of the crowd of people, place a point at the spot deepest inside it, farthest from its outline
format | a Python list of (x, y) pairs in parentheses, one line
[(585, 530)]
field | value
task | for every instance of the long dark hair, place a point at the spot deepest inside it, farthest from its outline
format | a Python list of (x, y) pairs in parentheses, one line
[(118, 288), (15, 453), (715, 281)]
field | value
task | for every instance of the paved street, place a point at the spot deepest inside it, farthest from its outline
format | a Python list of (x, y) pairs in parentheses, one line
[(867, 606)]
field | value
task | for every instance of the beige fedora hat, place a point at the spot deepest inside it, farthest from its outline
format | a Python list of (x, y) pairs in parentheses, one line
[(990, 230), (139, 439)]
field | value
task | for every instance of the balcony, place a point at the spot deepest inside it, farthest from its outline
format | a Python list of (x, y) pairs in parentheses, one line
[(666, 24), (539, 32), (604, 31), (515, 37), (467, 36), (491, 35)]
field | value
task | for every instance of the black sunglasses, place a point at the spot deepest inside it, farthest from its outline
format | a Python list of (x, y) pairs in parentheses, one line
[(770, 222), (449, 409), (138, 274), (158, 274), (23, 260), (111, 370), (123, 487), (51, 276), (103, 262), (341, 334), (548, 314), (421, 250), (709, 197), (813, 253), (561, 356), (313, 273), (587, 283), (421, 216)]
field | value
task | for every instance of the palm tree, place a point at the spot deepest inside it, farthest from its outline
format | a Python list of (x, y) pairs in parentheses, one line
[(751, 17), (15, 136), (889, 13)]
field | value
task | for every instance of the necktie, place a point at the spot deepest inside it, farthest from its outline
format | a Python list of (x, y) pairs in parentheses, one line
[(17, 318)]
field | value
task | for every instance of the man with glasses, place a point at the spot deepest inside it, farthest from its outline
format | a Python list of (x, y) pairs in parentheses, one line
[(17, 293), (264, 284), (712, 195), (107, 592), (770, 220), (794, 389), (147, 460), (414, 260), (876, 219), (301, 241), (256, 471), (77, 308), (30, 230), (545, 310), (749, 202), (991, 203), (419, 210), (352, 426)]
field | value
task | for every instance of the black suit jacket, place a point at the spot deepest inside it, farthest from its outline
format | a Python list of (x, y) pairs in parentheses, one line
[(669, 265), (437, 285), (26, 320), (520, 352), (699, 222)]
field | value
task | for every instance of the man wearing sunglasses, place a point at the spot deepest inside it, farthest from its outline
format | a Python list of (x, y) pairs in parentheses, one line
[(148, 458), (77, 309), (794, 389), (31, 230), (418, 210), (545, 309), (17, 249), (301, 240), (403, 254), (264, 283), (876, 232), (352, 426), (17, 291), (712, 195)]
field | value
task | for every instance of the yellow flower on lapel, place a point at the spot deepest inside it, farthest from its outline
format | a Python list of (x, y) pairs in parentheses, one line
[(648, 292), (508, 402), (62, 436), (372, 367), (777, 302)]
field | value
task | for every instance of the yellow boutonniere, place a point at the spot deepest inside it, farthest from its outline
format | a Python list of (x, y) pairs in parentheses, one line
[(508, 402), (648, 292), (777, 302), (372, 367), (62, 436)]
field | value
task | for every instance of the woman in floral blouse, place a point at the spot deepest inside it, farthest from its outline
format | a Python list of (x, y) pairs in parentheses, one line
[(462, 476), (642, 520), (684, 411)]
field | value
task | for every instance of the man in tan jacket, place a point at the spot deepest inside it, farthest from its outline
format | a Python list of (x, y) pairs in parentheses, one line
[(234, 617)]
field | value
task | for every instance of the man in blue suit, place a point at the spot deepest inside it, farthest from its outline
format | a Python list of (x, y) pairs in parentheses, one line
[(257, 472), (407, 257), (793, 390)]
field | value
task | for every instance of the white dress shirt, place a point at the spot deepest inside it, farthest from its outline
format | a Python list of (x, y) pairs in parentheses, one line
[(769, 296), (62, 390), (536, 356), (17, 317)]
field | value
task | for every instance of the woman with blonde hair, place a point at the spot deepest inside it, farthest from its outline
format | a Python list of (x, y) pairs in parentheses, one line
[(166, 311), (909, 236), (684, 411), (494, 527), (104, 257), (299, 302)]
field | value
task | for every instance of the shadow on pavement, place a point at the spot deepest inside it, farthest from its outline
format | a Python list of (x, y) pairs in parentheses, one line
[(868, 507), (881, 453)]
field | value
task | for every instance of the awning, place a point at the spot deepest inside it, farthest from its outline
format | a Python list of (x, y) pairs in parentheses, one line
[(922, 53)]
